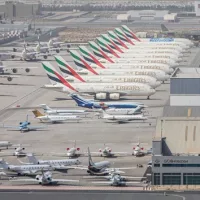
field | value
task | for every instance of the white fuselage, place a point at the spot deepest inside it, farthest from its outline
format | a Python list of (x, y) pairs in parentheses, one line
[(158, 74), (121, 89), (57, 118), (124, 117), (151, 81), (5, 144), (64, 162)]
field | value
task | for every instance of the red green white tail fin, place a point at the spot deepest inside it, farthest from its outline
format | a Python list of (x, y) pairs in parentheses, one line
[(66, 69), (123, 36), (129, 33)]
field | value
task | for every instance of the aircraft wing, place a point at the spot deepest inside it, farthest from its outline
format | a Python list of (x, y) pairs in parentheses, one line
[(36, 127), (121, 153), (17, 128), (8, 77), (25, 180), (65, 180), (102, 182)]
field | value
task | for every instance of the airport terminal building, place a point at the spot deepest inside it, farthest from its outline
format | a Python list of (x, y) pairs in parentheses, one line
[(176, 149)]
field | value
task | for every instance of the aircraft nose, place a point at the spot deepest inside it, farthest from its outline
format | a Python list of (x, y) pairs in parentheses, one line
[(152, 91), (158, 83)]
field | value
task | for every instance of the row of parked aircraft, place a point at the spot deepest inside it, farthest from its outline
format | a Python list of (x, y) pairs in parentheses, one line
[(35, 166), (122, 62)]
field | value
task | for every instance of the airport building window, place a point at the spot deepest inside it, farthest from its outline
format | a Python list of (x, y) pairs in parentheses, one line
[(181, 165), (171, 178), (156, 178), (191, 179), (156, 165)]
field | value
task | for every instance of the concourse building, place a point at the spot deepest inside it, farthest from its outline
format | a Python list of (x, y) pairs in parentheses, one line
[(176, 149)]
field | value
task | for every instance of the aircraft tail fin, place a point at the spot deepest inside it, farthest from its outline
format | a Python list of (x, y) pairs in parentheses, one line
[(3, 164), (106, 48), (91, 163), (129, 33), (164, 28), (57, 77), (66, 69), (80, 62), (32, 159), (37, 113), (81, 101), (89, 57), (99, 52), (123, 36), (45, 107)]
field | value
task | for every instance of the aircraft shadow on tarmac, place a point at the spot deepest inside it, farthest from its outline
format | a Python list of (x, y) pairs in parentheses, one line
[(7, 95)]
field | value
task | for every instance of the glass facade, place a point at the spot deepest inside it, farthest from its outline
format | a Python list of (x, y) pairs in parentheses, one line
[(156, 178), (181, 165), (171, 178), (191, 179)]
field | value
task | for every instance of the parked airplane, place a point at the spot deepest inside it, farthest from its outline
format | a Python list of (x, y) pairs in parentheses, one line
[(25, 126), (117, 180), (97, 105), (123, 118), (99, 90), (125, 48), (55, 118), (45, 179), (107, 152), (67, 70), (14, 69), (79, 61), (62, 163), (72, 152), (51, 111), (24, 169), (19, 152), (96, 63), (127, 54)]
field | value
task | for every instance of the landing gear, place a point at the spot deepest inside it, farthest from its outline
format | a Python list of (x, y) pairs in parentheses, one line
[(148, 97)]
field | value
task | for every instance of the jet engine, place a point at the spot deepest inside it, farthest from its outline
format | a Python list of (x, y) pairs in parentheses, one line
[(27, 70), (12, 56), (9, 78), (45, 56), (14, 70), (57, 51), (101, 96), (114, 96)]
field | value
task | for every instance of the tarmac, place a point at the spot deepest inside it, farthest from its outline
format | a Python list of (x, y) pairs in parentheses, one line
[(23, 94)]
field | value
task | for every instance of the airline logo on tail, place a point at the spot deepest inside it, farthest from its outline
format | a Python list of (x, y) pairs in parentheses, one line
[(37, 113), (116, 39), (111, 43), (81, 101), (98, 52), (122, 36), (55, 76), (66, 69), (90, 57), (81, 62), (130, 33), (105, 47)]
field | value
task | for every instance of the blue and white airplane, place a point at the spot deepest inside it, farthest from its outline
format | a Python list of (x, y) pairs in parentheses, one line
[(24, 126), (98, 105)]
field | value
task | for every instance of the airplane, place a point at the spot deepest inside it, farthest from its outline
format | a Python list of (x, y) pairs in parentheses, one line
[(127, 54), (72, 152), (130, 58), (45, 179), (97, 105), (122, 118), (107, 152), (125, 48), (81, 63), (94, 62), (23, 169), (24, 126), (67, 70), (51, 111), (99, 90), (57, 164), (117, 180), (19, 152), (27, 54), (4, 69), (150, 42), (55, 118)]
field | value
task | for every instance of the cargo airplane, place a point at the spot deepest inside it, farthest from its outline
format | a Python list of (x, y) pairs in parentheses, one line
[(99, 90)]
